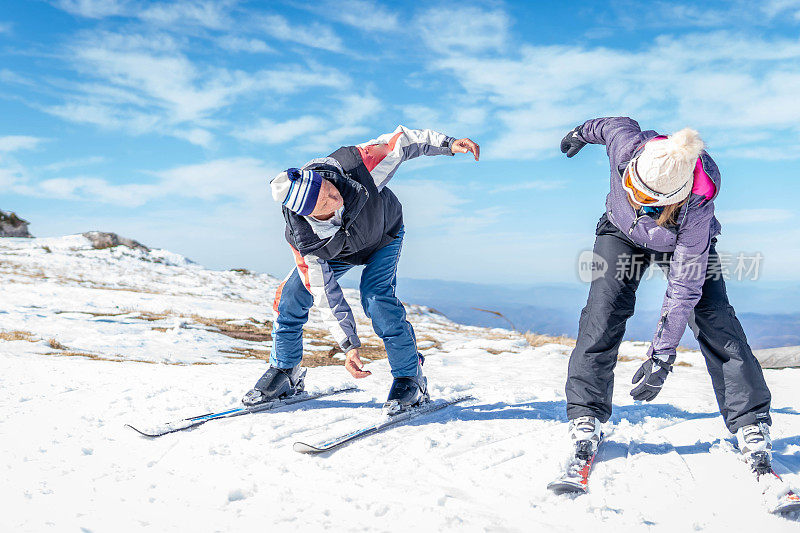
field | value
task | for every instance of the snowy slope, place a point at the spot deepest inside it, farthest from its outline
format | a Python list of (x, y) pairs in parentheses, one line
[(92, 339)]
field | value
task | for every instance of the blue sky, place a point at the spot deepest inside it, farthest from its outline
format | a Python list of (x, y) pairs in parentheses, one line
[(163, 121)]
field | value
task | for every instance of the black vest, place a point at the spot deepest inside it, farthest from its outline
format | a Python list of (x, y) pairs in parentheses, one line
[(370, 220)]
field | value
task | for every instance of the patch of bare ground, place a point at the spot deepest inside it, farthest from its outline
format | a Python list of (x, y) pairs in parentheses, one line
[(17, 335)]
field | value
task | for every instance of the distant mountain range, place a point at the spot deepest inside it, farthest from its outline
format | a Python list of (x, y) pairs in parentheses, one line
[(769, 311)]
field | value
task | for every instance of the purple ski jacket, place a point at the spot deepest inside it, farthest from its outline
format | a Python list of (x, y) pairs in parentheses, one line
[(690, 242)]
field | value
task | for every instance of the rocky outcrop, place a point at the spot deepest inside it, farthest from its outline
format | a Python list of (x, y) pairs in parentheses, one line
[(13, 226), (101, 240), (786, 357)]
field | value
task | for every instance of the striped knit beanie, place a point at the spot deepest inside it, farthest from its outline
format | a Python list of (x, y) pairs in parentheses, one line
[(297, 190)]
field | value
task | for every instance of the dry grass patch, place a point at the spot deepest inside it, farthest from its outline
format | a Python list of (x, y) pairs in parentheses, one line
[(94, 313), (252, 330), (427, 338), (149, 316), (536, 340), (17, 335), (310, 359), (54, 344), (121, 359), (238, 352)]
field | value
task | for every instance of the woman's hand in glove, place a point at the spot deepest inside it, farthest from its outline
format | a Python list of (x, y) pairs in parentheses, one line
[(572, 142), (652, 375)]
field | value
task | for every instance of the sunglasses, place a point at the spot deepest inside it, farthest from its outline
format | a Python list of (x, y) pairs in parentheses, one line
[(640, 192)]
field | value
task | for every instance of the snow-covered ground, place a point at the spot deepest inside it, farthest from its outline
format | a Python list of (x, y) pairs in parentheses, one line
[(93, 339)]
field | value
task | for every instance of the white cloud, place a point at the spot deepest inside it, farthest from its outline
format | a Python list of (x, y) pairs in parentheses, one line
[(233, 177), (462, 120), (207, 14), (270, 132), (5, 27), (533, 185), (13, 174), (73, 163), (95, 190), (773, 8), (145, 84), (463, 29), (533, 95), (242, 44), (10, 77), (241, 179), (94, 8), (754, 216), (211, 14), (345, 124), (365, 15), (13, 143), (769, 152), (106, 116), (314, 35), (428, 203), (197, 136)]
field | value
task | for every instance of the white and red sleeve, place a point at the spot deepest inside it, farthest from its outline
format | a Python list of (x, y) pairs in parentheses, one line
[(383, 155)]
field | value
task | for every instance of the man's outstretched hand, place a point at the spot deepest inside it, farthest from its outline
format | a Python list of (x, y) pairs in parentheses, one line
[(354, 365), (462, 146)]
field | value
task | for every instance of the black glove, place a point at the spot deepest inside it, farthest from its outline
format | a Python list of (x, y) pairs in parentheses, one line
[(572, 142), (655, 372)]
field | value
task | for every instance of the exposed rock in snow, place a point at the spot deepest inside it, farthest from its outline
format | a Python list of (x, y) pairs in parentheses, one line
[(13, 226), (786, 357), (101, 241)]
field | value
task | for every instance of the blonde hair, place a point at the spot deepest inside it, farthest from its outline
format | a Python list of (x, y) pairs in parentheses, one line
[(669, 216)]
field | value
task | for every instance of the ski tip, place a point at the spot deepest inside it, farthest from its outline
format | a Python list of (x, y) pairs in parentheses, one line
[(789, 503), (787, 509), (142, 433), (566, 487), (302, 447)]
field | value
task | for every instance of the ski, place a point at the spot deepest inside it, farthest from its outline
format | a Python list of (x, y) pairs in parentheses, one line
[(194, 421), (386, 421), (575, 479), (777, 494), (787, 500)]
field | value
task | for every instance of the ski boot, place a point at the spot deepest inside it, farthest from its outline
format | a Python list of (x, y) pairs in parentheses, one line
[(584, 432), (276, 383), (756, 446), (407, 392)]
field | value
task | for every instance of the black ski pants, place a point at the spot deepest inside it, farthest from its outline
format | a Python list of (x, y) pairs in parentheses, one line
[(742, 394)]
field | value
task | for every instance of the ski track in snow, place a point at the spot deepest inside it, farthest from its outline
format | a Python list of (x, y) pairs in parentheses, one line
[(70, 464)]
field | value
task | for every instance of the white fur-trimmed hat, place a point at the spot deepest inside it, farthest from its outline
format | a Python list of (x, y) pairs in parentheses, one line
[(665, 168)]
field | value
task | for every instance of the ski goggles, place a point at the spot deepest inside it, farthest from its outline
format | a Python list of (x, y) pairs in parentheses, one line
[(640, 192)]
